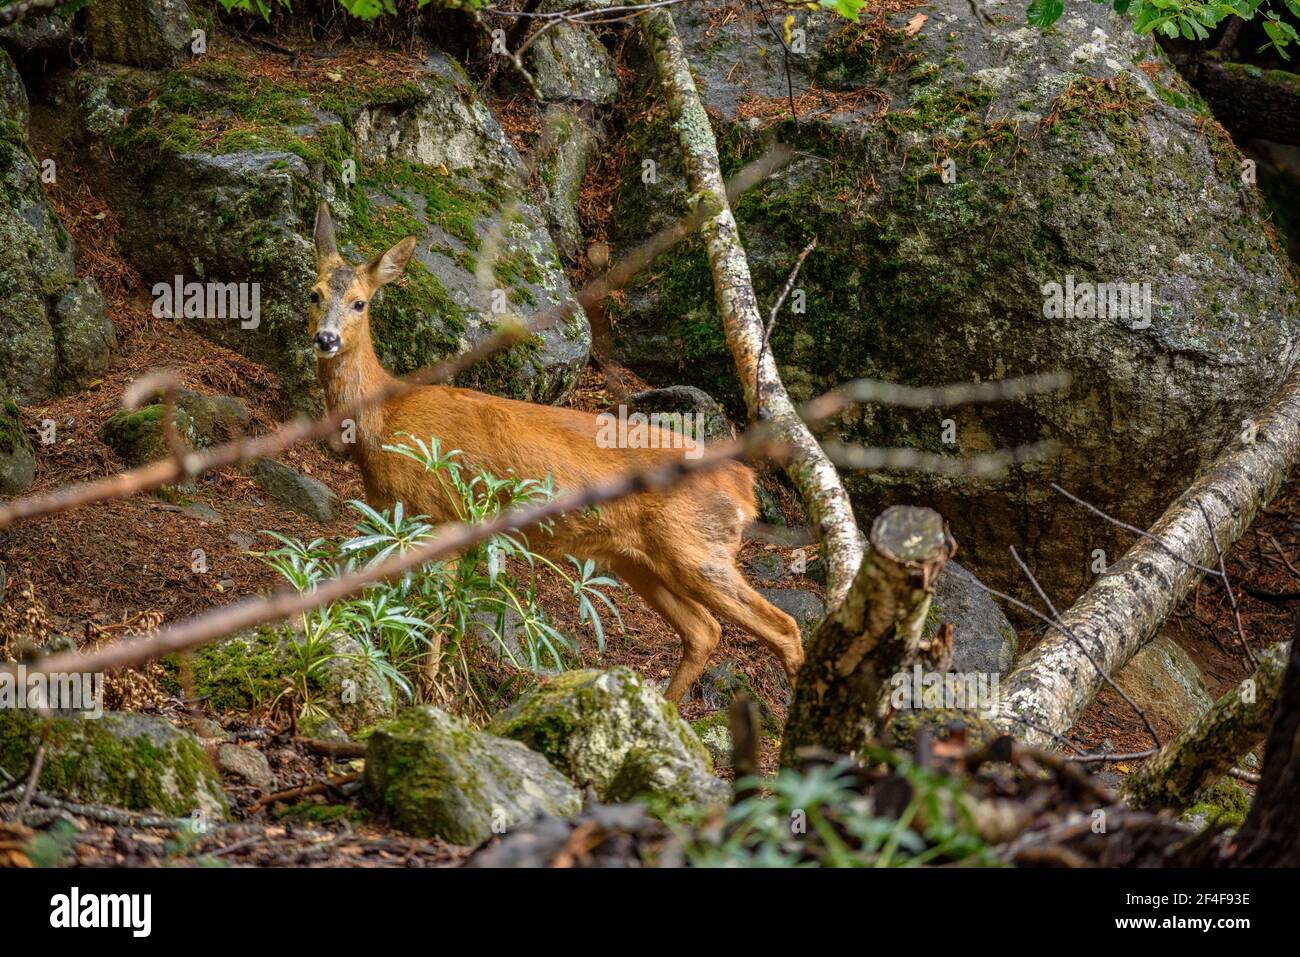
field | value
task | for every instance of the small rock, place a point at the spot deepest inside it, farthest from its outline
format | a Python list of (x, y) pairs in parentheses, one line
[(803, 606), (438, 777), (684, 400), (767, 567), (1165, 682), (204, 513), (247, 764), (291, 488), (983, 640)]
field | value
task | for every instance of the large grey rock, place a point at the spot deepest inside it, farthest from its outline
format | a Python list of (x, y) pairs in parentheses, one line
[(148, 33), (302, 493), (1165, 682), (983, 640), (247, 764), (1070, 161), (54, 335), (134, 761), (569, 63), (612, 731), (438, 777)]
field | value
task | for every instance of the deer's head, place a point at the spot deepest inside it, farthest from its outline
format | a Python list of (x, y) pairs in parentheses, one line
[(339, 315)]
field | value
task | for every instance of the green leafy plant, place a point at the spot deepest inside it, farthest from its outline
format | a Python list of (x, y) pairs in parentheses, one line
[(821, 817), (1189, 19), (412, 631)]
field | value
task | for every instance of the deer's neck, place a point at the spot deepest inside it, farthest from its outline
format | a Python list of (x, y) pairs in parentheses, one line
[(349, 378)]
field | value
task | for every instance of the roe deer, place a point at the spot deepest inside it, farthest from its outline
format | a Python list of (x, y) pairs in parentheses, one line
[(675, 548)]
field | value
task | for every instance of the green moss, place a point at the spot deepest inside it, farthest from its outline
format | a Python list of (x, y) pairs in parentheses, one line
[(1224, 804), (238, 675), (91, 759), (12, 433)]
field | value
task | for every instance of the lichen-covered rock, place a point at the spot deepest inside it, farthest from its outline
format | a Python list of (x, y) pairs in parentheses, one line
[(38, 34), (219, 182), (568, 145), (13, 95), (134, 761), (983, 640), (684, 400), (201, 420), (1077, 156), (612, 731), (1165, 682), (349, 687), (54, 335), (148, 33), (569, 63), (438, 777), (289, 487), (17, 459), (247, 764), (442, 169)]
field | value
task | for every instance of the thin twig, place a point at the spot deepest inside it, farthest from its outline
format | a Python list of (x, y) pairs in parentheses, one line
[(771, 322), (38, 760), (1251, 662)]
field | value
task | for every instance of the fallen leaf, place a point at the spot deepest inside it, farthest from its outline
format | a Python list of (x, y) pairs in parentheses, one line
[(914, 25)]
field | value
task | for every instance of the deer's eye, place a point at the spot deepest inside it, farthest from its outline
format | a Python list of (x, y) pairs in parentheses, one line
[(315, 297), (359, 305)]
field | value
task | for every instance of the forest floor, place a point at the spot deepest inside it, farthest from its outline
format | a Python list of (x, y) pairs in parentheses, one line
[(119, 568)]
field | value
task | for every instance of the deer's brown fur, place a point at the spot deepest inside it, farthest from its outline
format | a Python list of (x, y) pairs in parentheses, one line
[(675, 548)]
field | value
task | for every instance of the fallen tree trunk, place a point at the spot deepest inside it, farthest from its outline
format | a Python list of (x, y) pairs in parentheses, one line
[(1207, 749), (812, 473), (1055, 682), (842, 698)]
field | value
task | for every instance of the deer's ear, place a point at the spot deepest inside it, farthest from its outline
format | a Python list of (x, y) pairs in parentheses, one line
[(325, 245), (384, 269)]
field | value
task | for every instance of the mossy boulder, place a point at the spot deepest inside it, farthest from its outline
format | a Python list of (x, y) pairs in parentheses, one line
[(49, 31), (17, 459), (1077, 155), (149, 33), (220, 175), (442, 169), (54, 335), (684, 400), (134, 761), (438, 777), (612, 731), (1224, 804), (201, 420)]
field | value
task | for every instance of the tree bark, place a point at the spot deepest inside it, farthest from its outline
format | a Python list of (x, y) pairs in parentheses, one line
[(1055, 682), (1207, 749), (812, 473), (841, 699), (1252, 102), (1271, 835)]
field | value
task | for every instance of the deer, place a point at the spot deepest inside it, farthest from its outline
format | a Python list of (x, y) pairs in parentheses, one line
[(676, 548)]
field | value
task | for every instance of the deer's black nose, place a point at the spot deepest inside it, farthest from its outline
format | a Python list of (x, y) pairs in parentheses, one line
[(327, 342)]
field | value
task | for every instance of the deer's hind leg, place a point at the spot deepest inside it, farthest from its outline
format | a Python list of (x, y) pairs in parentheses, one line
[(699, 631)]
